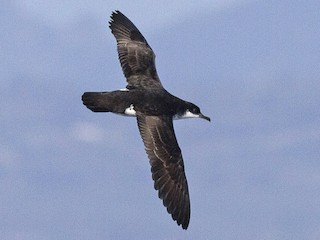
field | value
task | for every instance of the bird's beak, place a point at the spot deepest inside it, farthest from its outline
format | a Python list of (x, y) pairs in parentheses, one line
[(204, 117)]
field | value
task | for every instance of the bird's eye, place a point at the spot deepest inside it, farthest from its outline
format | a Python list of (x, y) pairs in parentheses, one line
[(195, 110)]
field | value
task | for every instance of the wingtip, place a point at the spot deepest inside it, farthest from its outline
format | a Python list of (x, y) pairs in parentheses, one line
[(181, 212), (185, 226), (114, 14)]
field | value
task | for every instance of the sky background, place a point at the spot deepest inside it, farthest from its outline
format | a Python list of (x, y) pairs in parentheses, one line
[(253, 172)]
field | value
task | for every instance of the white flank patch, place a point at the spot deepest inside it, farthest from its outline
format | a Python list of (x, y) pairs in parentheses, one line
[(130, 111), (124, 89), (187, 114)]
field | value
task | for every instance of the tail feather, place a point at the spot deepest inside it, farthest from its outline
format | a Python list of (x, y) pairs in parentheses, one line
[(115, 101), (96, 101)]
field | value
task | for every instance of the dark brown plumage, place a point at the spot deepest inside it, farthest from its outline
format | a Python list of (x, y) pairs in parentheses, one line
[(136, 56), (154, 108), (166, 165)]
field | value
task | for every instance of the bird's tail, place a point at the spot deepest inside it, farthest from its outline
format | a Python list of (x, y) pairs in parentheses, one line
[(96, 101), (115, 101)]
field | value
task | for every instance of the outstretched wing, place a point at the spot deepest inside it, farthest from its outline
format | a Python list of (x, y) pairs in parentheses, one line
[(136, 56), (166, 165)]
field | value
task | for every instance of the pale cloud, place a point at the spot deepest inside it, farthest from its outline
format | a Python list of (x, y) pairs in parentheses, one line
[(87, 132)]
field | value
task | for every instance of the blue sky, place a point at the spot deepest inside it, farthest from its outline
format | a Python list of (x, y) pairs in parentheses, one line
[(253, 172)]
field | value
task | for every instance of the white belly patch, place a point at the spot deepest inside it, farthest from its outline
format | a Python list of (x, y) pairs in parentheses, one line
[(130, 111)]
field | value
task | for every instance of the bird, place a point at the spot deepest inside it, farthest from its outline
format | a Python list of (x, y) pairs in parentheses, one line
[(155, 108)]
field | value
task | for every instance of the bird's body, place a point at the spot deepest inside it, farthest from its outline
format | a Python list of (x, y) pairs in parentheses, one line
[(159, 103), (155, 108)]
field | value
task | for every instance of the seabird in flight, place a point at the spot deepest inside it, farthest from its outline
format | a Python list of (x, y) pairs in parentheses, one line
[(145, 98)]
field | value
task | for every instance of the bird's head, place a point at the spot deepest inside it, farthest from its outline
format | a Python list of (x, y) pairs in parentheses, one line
[(193, 111)]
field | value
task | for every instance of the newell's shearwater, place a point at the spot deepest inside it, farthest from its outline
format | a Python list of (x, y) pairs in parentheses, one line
[(145, 98)]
